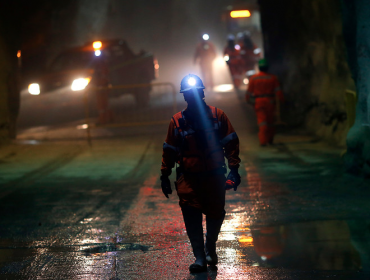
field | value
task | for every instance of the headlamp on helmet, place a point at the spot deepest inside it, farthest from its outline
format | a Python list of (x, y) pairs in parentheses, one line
[(192, 81)]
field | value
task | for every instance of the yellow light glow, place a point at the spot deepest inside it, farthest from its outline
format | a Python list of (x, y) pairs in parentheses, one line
[(34, 89), (224, 88), (240, 14), (19, 54), (82, 126), (246, 239), (97, 45)]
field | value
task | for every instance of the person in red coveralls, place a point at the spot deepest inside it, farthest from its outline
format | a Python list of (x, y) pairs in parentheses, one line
[(100, 81), (205, 53), (249, 53), (198, 140), (263, 91), (234, 61)]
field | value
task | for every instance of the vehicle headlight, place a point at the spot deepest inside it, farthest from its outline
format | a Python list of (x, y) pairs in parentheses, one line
[(80, 84), (34, 89), (226, 58)]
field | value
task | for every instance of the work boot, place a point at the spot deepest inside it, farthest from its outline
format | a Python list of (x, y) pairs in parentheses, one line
[(193, 223), (213, 229)]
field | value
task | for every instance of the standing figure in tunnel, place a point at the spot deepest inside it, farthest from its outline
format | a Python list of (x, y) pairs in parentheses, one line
[(234, 61), (205, 53), (249, 53), (100, 81), (198, 139), (263, 92)]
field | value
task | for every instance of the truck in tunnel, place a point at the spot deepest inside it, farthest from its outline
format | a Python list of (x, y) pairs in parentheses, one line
[(242, 22), (76, 68)]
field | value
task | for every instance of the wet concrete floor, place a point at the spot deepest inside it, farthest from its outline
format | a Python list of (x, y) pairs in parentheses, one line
[(73, 211)]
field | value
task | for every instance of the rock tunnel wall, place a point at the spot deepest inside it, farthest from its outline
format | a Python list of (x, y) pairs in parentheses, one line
[(304, 44), (356, 30)]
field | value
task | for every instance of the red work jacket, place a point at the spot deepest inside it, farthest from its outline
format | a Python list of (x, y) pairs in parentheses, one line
[(234, 56), (200, 147), (205, 52), (263, 87)]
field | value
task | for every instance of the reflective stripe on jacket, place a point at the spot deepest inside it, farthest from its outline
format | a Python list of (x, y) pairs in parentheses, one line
[(264, 85), (202, 145)]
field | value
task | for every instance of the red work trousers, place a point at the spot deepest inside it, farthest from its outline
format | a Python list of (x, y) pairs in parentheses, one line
[(265, 112), (203, 191), (237, 74)]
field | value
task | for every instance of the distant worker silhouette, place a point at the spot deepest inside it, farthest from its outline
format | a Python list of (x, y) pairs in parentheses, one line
[(263, 91), (205, 53), (100, 81), (234, 60), (198, 139), (249, 52)]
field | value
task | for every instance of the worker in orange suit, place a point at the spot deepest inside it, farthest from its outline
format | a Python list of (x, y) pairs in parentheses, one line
[(205, 53), (263, 91), (249, 52), (100, 81), (198, 140), (234, 61)]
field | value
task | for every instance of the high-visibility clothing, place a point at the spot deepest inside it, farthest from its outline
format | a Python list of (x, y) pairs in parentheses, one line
[(234, 56), (249, 57), (101, 79), (101, 73), (206, 193), (235, 64), (205, 53), (207, 75), (262, 91), (199, 145)]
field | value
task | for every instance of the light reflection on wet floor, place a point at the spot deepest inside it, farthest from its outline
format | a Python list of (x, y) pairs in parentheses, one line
[(265, 234), (151, 243)]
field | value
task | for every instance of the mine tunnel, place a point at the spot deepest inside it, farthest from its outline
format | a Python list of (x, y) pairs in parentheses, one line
[(185, 139)]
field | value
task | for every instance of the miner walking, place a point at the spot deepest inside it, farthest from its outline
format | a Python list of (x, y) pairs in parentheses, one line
[(205, 53), (263, 93), (198, 140)]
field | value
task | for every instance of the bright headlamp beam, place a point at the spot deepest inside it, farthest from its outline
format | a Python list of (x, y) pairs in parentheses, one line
[(240, 14), (191, 82), (97, 52), (205, 37)]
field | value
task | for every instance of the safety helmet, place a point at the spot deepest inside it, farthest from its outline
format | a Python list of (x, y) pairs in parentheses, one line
[(263, 62), (190, 82), (230, 37)]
